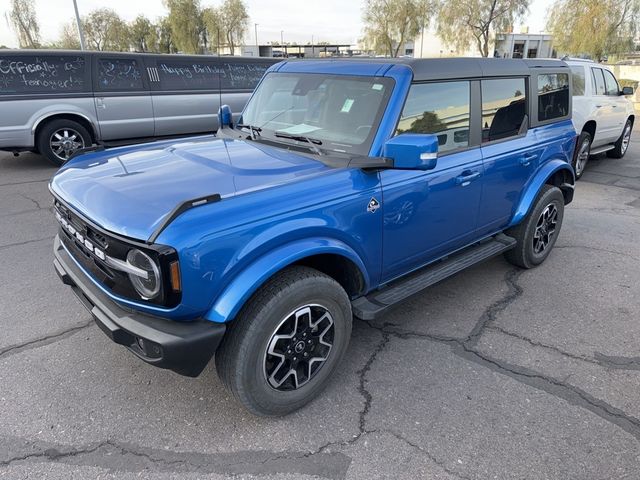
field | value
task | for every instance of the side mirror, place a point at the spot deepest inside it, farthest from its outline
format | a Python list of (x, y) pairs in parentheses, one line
[(412, 151), (225, 119), (627, 90)]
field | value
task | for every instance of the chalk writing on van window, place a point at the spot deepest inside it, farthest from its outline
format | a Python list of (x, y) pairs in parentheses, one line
[(41, 74), (181, 75), (119, 74)]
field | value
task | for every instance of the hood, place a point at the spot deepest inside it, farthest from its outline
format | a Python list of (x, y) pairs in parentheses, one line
[(130, 190)]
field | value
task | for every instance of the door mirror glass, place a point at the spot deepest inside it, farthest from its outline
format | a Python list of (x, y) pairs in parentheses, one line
[(224, 116), (411, 151), (627, 90)]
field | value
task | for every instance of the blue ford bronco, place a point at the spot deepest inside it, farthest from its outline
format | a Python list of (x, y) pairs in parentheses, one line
[(344, 188)]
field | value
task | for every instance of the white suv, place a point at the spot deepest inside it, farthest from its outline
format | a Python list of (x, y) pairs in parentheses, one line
[(602, 115)]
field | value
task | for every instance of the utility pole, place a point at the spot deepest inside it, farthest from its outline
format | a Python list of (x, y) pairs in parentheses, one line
[(281, 37), (75, 7), (313, 53)]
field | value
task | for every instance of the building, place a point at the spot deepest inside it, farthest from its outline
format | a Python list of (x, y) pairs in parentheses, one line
[(524, 45), (297, 51), (429, 45)]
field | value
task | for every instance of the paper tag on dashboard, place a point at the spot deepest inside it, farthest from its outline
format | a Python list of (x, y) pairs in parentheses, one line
[(348, 103)]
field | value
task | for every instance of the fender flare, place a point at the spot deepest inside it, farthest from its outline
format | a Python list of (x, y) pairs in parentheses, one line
[(246, 282), (531, 192)]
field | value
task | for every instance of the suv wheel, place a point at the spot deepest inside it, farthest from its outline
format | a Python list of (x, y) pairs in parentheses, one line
[(621, 146), (61, 138), (581, 157), (537, 233), (282, 349)]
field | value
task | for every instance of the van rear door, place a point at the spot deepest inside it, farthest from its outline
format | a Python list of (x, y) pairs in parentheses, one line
[(122, 97)]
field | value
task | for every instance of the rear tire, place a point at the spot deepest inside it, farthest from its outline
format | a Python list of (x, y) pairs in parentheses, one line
[(275, 335), (537, 233), (622, 145), (583, 150), (60, 138)]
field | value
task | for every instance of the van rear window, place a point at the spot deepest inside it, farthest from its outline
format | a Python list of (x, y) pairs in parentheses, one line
[(210, 75), (42, 74)]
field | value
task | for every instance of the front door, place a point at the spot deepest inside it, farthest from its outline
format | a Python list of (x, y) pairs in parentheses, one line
[(430, 213)]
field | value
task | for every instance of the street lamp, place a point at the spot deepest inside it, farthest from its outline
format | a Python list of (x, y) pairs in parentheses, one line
[(255, 25), (75, 7), (281, 37)]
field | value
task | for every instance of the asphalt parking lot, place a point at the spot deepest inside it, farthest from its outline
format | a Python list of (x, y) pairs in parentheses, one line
[(497, 373)]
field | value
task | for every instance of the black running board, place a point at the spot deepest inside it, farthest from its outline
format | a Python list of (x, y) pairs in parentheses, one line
[(377, 302)]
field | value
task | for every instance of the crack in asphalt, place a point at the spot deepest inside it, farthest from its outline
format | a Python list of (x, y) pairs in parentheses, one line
[(599, 249), (34, 201), (26, 242), (117, 456), (466, 348), (42, 341), (24, 182)]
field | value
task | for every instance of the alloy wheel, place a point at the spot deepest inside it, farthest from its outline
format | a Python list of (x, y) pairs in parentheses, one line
[(299, 347), (583, 156), (626, 138), (545, 228), (65, 142)]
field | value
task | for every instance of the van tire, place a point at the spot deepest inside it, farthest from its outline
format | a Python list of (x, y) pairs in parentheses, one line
[(550, 201), (243, 361), (77, 135), (622, 144)]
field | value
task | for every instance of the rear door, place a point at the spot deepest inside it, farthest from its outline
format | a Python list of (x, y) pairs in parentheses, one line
[(606, 119), (509, 150), (185, 94), (122, 98)]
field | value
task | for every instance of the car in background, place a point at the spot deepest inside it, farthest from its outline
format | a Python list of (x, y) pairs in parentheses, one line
[(602, 114), (56, 102)]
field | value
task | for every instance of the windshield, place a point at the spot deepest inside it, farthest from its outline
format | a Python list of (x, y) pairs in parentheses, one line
[(337, 112)]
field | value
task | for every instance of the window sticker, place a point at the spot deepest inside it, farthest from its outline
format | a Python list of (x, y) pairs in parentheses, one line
[(376, 86), (348, 103)]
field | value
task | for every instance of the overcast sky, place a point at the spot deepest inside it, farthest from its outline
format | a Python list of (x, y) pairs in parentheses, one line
[(336, 21)]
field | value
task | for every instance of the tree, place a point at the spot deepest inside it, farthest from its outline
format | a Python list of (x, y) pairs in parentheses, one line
[(105, 30), (213, 33), (234, 22), (166, 42), (390, 23), (427, 122), (463, 22), (25, 23), (185, 21), (593, 27), (69, 38), (143, 35)]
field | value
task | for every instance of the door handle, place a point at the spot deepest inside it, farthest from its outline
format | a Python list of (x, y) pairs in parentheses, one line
[(466, 178), (100, 102), (527, 158), (598, 106)]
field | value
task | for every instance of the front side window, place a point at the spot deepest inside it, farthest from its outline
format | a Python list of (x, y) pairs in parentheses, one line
[(553, 96), (119, 74), (441, 109), (504, 108), (598, 81), (611, 83), (336, 112), (577, 75)]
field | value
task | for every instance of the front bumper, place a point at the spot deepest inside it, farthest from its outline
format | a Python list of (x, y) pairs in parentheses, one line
[(184, 347)]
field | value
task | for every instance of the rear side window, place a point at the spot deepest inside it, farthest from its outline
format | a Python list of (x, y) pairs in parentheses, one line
[(42, 74), (119, 74), (598, 81), (441, 109), (611, 83), (577, 75), (553, 96), (189, 75), (504, 107), (242, 75)]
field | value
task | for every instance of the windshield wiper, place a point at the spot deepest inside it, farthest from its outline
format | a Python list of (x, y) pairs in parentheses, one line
[(313, 142), (255, 131)]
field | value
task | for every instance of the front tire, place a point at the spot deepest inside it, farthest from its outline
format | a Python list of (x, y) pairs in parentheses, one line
[(284, 346), (581, 157), (622, 145), (537, 233), (61, 138)]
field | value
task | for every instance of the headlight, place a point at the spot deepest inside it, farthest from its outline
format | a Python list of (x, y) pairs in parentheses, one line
[(149, 287)]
